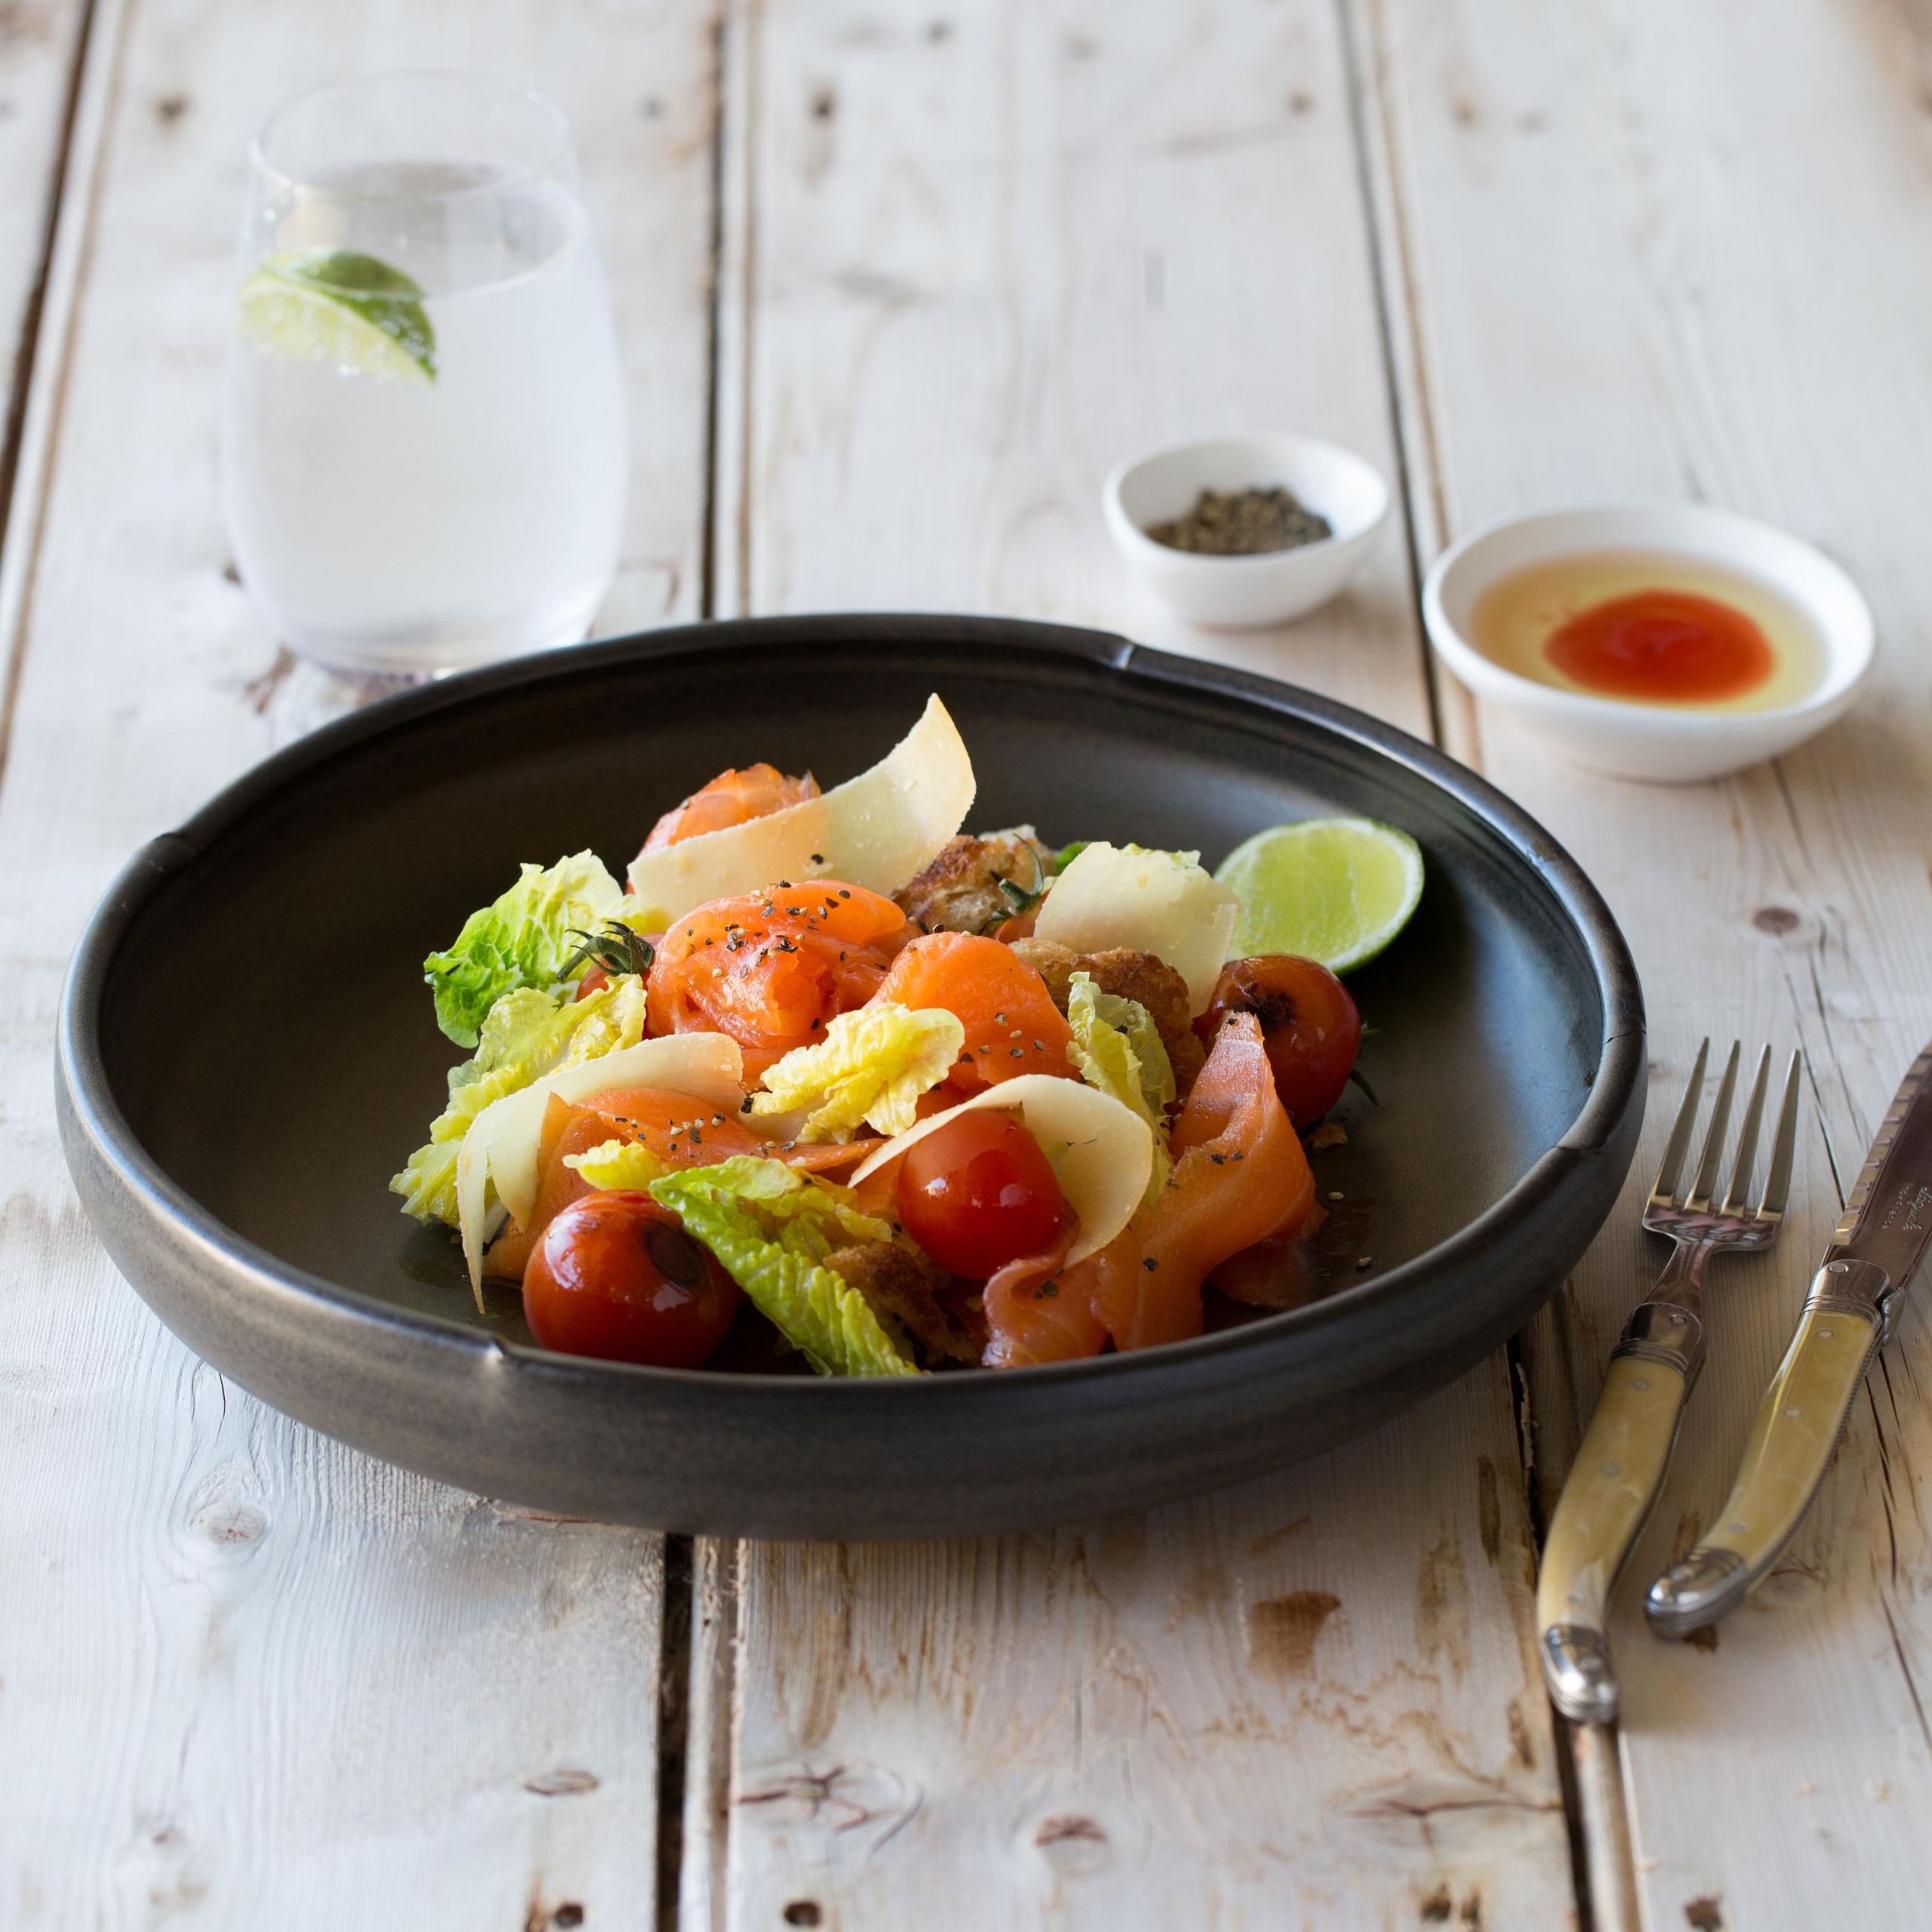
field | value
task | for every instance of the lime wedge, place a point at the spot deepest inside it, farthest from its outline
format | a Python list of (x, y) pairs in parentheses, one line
[(333, 305), (1335, 889)]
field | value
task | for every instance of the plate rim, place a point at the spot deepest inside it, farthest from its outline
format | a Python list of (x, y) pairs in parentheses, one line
[(91, 1115)]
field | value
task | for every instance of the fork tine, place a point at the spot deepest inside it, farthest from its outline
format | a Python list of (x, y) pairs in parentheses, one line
[(1777, 1183), (1737, 1196), (1712, 1157), (1665, 1185)]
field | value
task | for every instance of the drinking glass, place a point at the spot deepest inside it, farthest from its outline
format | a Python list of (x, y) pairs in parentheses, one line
[(424, 453)]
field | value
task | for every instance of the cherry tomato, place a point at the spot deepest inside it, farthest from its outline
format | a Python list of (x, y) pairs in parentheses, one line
[(1312, 1030), (978, 1193), (594, 981), (615, 1276)]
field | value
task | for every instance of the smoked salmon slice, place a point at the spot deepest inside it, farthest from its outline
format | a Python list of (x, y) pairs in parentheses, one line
[(732, 797), (1240, 1177), (1031, 1318), (1012, 1025), (771, 968)]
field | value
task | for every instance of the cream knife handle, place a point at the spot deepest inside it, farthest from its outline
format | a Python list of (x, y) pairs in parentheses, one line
[(1792, 1436), (1612, 1484)]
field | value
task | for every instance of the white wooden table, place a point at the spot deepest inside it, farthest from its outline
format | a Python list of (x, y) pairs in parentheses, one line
[(897, 280)]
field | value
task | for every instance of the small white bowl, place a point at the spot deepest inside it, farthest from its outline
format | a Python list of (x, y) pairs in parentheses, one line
[(1244, 593), (1651, 742)]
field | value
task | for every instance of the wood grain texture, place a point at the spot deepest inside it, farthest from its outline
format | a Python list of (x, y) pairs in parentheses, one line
[(39, 48), (40, 53), (974, 258), (971, 257), (1686, 252), (251, 1678)]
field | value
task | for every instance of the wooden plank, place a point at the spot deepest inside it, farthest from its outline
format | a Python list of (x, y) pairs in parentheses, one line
[(40, 47), (271, 1682), (1687, 252), (972, 256)]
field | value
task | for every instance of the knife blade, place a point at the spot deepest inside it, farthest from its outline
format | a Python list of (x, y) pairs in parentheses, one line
[(1878, 1243), (1888, 1218)]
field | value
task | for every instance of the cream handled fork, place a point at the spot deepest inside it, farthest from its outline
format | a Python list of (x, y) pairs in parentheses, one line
[(1620, 1465), (1875, 1250)]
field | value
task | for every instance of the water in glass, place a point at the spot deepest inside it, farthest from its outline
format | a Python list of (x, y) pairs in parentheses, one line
[(416, 515)]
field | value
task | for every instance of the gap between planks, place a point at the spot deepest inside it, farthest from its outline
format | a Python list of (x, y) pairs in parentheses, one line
[(700, 1648), (39, 382), (680, 1656), (1595, 1800)]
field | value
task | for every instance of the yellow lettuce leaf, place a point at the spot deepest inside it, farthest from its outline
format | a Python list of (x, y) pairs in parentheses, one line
[(622, 1164), (868, 1070)]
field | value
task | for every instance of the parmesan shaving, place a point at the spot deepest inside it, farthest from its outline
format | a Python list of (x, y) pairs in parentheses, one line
[(1161, 903), (878, 830)]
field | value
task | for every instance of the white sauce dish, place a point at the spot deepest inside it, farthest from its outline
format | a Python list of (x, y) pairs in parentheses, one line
[(1660, 742)]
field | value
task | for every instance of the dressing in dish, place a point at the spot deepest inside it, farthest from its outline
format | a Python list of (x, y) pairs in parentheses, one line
[(1654, 627)]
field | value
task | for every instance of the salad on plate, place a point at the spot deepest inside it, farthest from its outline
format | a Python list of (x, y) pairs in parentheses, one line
[(826, 1080)]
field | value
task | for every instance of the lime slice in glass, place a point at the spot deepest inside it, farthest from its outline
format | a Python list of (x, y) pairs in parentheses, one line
[(1335, 889), (333, 305)]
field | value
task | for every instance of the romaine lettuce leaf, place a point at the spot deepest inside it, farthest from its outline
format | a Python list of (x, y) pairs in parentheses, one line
[(771, 1230), (871, 1067), (525, 1035), (1118, 1050), (1089, 1009), (521, 939)]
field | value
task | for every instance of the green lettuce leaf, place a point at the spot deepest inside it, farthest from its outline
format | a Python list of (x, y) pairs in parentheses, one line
[(771, 1230), (521, 939), (525, 1035), (1118, 1050)]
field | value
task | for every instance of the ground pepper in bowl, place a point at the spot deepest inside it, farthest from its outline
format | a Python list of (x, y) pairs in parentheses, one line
[(1243, 523)]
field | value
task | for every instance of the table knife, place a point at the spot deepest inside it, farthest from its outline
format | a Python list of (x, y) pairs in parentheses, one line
[(1853, 1301)]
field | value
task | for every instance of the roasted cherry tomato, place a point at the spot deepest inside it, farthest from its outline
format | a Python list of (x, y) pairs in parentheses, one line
[(978, 1193), (615, 1276), (1312, 1030)]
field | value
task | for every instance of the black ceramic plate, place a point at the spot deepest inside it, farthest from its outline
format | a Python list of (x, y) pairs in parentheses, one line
[(247, 1053)]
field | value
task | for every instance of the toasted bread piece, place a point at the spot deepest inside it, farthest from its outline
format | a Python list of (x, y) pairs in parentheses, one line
[(915, 1293), (1135, 976), (975, 885)]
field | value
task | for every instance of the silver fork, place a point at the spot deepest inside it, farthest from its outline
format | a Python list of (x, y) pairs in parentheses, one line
[(1620, 1462)]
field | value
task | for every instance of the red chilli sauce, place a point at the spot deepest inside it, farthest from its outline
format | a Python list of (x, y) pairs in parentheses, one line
[(1668, 645), (1651, 628)]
